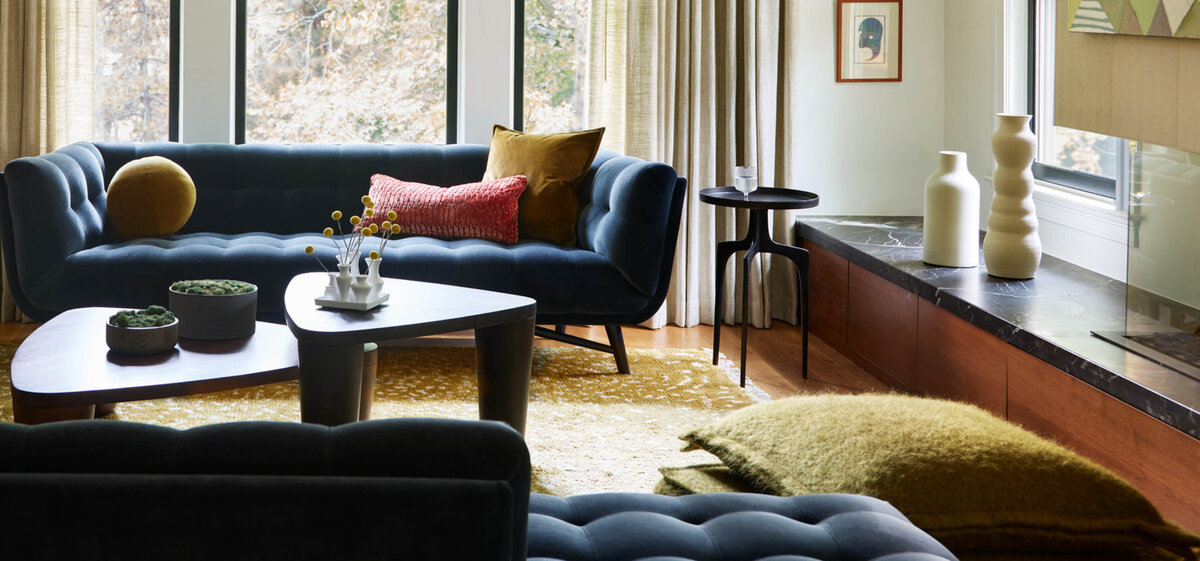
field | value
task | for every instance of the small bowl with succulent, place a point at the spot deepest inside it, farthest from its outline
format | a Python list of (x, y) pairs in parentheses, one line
[(142, 332), (214, 309)]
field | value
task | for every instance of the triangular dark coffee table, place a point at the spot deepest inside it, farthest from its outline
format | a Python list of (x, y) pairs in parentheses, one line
[(330, 343), (64, 367)]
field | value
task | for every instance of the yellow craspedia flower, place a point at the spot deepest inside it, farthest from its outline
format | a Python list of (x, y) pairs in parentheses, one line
[(395, 228), (328, 232), (374, 228), (366, 232), (309, 249), (386, 225), (391, 215), (355, 220), (337, 215), (374, 255), (366, 200), (369, 212)]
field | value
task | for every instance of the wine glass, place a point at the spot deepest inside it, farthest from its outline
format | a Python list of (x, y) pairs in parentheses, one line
[(745, 180)]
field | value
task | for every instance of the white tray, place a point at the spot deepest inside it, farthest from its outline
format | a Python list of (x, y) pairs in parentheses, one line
[(359, 306)]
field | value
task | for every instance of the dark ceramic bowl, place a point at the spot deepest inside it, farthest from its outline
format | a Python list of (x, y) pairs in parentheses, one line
[(215, 316), (142, 340)]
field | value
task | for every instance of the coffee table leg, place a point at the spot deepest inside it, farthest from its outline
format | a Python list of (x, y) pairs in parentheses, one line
[(25, 414), (503, 357), (330, 383)]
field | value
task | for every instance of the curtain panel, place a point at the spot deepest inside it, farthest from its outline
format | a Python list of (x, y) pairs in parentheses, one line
[(703, 85), (46, 52)]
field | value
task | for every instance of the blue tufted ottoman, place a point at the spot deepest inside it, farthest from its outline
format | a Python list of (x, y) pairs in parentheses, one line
[(723, 526)]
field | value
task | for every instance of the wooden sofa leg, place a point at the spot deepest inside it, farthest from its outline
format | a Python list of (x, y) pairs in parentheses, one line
[(617, 341)]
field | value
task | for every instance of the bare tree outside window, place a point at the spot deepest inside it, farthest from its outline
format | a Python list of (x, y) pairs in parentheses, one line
[(556, 39), (132, 74), (346, 71), (1084, 151)]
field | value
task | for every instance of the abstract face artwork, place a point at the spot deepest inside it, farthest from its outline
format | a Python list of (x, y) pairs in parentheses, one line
[(869, 40), (870, 36)]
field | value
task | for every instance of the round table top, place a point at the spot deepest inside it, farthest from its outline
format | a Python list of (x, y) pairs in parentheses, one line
[(761, 198)]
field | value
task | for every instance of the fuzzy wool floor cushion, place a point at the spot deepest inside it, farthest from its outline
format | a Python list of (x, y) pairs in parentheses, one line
[(984, 487)]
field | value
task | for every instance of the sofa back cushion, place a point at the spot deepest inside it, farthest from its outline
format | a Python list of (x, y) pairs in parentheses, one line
[(291, 189), (415, 488)]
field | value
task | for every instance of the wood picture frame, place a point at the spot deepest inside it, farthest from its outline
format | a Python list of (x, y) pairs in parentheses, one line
[(870, 40)]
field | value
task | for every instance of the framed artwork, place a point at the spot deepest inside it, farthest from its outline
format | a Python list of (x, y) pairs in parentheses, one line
[(869, 40)]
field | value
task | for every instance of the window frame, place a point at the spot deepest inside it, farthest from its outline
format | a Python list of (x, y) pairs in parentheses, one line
[(1071, 179), (173, 91), (518, 111), (239, 71)]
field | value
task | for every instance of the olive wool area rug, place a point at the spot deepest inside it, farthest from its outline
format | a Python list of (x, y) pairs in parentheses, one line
[(589, 429)]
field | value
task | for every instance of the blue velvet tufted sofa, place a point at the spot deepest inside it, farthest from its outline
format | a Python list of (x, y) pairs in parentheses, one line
[(258, 206), (389, 489)]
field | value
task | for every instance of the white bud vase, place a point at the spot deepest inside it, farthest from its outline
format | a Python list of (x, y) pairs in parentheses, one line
[(1011, 247), (952, 214)]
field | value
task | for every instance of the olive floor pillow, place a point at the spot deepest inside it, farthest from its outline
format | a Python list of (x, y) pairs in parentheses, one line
[(984, 487)]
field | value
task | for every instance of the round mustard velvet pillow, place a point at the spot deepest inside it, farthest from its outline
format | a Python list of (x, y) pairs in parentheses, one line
[(151, 196)]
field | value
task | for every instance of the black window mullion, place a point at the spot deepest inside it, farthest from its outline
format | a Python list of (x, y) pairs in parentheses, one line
[(452, 72), (173, 75)]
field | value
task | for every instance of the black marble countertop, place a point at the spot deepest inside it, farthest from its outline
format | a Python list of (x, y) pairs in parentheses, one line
[(1050, 316)]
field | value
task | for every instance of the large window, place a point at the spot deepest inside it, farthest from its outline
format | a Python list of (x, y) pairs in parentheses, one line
[(131, 77), (1082, 160), (555, 65), (346, 71)]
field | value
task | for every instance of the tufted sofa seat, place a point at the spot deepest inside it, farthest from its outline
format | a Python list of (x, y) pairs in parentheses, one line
[(387, 489), (259, 205), (622, 526)]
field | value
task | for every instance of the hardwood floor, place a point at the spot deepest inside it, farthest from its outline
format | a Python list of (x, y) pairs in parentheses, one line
[(772, 355)]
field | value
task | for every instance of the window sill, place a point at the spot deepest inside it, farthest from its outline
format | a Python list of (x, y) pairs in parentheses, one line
[(1090, 214)]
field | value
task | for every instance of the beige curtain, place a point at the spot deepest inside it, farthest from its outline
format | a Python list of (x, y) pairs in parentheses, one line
[(703, 85), (46, 53)]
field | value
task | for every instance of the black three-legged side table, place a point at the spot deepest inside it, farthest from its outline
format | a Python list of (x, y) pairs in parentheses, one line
[(758, 240)]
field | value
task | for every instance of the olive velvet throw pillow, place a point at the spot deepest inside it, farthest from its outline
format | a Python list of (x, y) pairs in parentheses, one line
[(555, 165), (984, 487), (150, 196), (485, 210)]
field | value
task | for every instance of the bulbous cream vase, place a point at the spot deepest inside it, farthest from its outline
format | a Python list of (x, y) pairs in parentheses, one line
[(1011, 247), (952, 214)]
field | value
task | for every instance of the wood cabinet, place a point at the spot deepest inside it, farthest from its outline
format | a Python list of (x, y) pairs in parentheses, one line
[(1157, 459), (913, 345), (827, 295), (957, 360), (881, 328)]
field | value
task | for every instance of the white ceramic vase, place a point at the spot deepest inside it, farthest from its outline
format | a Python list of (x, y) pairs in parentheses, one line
[(1011, 247), (343, 280), (952, 214), (373, 278)]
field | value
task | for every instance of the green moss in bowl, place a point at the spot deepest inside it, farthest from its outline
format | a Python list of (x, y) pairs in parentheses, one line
[(213, 287)]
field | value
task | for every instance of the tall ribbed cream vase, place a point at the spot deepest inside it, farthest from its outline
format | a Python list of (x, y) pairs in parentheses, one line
[(951, 214), (1011, 247)]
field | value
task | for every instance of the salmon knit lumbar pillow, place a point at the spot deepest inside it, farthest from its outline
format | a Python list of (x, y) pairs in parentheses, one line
[(486, 210), (984, 487)]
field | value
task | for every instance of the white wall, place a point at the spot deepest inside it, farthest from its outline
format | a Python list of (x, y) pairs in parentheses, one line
[(867, 148), (973, 88)]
